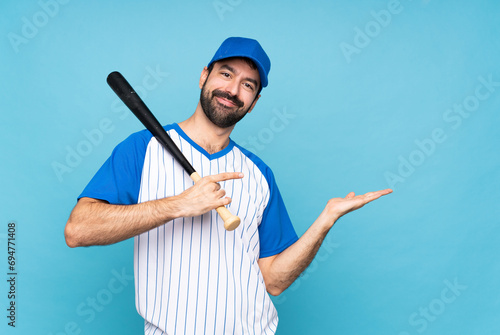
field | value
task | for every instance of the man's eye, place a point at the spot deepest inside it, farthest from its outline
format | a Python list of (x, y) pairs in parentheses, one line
[(225, 74), (249, 86)]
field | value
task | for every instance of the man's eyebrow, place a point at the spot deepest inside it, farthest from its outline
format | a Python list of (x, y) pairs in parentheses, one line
[(231, 69), (227, 67)]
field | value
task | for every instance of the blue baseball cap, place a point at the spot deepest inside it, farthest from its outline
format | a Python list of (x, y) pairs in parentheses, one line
[(248, 48)]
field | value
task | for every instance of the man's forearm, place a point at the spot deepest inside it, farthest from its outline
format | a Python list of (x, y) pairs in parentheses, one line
[(281, 270), (284, 268), (95, 222)]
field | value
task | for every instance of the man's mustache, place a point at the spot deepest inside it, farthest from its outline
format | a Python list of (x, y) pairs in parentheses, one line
[(226, 95)]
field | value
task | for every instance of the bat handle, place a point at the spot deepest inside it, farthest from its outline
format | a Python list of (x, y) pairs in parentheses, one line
[(231, 221)]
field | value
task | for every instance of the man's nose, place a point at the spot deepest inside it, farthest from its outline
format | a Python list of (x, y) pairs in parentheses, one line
[(232, 88)]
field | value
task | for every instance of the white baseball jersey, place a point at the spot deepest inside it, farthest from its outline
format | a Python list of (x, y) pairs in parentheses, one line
[(191, 275)]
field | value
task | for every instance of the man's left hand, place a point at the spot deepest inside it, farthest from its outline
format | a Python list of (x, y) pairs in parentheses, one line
[(338, 207)]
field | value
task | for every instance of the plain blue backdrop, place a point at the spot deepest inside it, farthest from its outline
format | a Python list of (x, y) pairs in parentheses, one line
[(362, 96)]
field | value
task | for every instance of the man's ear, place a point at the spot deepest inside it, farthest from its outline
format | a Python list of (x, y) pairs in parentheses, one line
[(253, 103), (203, 76)]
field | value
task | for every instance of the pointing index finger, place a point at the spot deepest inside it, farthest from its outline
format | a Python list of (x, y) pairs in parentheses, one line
[(227, 176)]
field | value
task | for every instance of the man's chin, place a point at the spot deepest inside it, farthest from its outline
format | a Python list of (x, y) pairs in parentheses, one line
[(225, 123)]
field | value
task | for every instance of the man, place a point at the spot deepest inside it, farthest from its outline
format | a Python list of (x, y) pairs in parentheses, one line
[(191, 275)]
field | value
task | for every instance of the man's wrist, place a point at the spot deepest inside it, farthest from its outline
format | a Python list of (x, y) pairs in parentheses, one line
[(172, 208), (327, 219)]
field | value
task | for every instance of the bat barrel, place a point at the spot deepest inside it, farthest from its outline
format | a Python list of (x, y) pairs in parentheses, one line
[(132, 100)]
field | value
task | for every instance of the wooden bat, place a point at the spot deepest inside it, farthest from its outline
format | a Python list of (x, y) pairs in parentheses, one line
[(127, 94)]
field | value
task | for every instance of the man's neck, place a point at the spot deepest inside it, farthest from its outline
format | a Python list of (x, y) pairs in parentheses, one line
[(204, 133)]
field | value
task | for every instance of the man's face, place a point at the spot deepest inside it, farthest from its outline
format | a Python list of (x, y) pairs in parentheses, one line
[(229, 92)]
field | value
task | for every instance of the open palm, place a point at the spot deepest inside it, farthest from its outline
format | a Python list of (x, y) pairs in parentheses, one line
[(341, 206)]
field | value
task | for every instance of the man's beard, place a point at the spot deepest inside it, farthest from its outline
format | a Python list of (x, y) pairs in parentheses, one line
[(220, 115)]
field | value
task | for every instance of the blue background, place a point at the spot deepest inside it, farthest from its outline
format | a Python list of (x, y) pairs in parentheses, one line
[(360, 99)]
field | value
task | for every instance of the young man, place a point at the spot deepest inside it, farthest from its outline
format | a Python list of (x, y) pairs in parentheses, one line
[(191, 275)]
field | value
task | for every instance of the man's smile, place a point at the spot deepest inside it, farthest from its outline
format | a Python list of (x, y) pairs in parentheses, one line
[(226, 99), (225, 102)]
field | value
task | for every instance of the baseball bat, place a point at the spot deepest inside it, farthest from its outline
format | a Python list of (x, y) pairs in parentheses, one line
[(132, 100)]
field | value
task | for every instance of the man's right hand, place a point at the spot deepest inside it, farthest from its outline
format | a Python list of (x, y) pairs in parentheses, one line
[(205, 195)]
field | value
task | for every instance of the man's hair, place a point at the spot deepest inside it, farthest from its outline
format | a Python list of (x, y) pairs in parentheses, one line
[(246, 60)]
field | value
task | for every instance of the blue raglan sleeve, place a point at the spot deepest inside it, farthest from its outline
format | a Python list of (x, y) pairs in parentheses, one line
[(118, 179), (276, 231)]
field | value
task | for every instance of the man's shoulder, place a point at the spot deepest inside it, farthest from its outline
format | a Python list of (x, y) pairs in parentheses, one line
[(261, 165)]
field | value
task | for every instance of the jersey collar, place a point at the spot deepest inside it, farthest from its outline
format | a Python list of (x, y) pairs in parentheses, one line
[(216, 155)]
